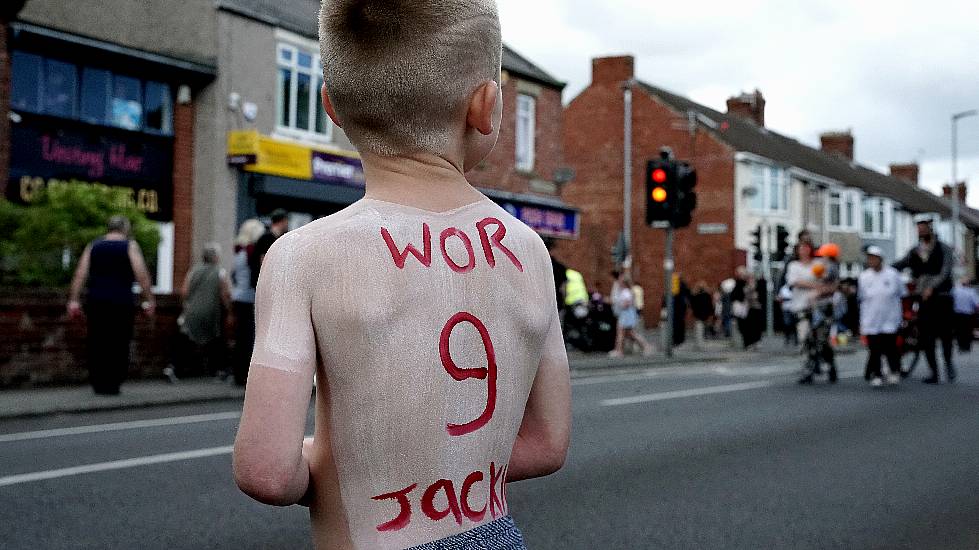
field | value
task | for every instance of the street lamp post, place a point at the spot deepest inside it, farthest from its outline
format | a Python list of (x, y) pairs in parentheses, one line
[(955, 176)]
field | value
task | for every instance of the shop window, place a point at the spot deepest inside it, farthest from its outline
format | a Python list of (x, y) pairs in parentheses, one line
[(95, 95), (159, 108), (300, 107), (60, 88), (526, 130), (126, 108), (26, 81)]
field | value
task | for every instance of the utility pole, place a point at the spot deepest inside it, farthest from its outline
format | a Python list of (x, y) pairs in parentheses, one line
[(627, 167), (955, 176), (668, 266)]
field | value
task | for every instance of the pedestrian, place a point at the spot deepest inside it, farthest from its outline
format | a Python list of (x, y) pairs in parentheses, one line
[(725, 313), (931, 263), (803, 277), (639, 298), (966, 302), (243, 298), (627, 317), (681, 299), (278, 228), (109, 265), (747, 308), (880, 290), (702, 305), (206, 295), (426, 311)]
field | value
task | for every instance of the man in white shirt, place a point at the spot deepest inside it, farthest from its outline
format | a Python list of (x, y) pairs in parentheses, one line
[(880, 290), (966, 305)]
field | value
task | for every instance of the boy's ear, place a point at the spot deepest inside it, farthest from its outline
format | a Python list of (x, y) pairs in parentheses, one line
[(328, 105), (482, 107)]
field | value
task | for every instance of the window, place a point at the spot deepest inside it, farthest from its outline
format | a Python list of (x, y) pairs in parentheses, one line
[(60, 88), (771, 189), (93, 95), (842, 210), (159, 108), (299, 105), (25, 82), (877, 217), (526, 132)]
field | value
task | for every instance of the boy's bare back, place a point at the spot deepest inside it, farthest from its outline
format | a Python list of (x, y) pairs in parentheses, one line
[(426, 330)]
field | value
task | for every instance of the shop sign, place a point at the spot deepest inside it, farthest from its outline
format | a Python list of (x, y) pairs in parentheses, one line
[(264, 155), (49, 151), (549, 221)]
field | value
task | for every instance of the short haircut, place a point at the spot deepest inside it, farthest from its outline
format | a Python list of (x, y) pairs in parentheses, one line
[(119, 224), (212, 253), (400, 73), (279, 215)]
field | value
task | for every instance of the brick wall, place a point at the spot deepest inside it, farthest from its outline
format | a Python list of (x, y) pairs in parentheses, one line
[(593, 141), (498, 170), (39, 346), (183, 190)]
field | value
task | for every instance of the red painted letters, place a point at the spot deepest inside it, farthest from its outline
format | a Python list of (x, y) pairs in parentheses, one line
[(428, 501), (404, 516), (488, 242), (457, 505), (475, 516), (489, 372), (400, 257), (453, 232), (497, 241)]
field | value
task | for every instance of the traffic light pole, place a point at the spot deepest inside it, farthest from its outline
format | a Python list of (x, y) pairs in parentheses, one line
[(668, 292)]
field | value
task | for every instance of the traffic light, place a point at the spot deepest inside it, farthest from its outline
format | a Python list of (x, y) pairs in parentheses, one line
[(660, 191), (781, 243), (686, 180), (756, 244)]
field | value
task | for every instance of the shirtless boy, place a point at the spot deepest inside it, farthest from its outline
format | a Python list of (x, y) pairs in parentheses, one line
[(425, 310)]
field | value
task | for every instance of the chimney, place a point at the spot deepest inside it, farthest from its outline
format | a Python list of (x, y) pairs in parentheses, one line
[(839, 143), (607, 70), (750, 107), (947, 191), (907, 172)]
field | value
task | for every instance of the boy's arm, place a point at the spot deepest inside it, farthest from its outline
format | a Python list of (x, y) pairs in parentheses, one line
[(545, 433), (269, 463)]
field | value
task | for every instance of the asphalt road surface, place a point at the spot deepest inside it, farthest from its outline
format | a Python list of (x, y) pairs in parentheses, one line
[(728, 456)]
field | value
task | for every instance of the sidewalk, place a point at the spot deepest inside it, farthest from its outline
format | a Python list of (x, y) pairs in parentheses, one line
[(149, 393)]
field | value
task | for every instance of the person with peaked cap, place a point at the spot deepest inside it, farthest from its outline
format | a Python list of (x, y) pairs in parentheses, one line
[(931, 263), (880, 290)]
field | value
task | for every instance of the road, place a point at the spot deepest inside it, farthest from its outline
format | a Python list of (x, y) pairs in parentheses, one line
[(727, 456)]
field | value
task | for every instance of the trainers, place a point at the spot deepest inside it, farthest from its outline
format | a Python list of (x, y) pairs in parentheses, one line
[(876, 382)]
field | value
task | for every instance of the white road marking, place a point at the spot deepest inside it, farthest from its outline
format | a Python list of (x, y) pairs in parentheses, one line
[(114, 465), (135, 424), (679, 394)]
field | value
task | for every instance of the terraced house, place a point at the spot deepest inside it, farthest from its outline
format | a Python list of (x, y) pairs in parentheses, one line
[(750, 177)]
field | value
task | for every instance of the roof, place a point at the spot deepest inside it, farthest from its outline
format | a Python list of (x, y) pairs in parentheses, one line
[(747, 137), (301, 17)]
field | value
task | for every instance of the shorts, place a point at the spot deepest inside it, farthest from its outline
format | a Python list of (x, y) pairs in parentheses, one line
[(501, 534), (628, 318)]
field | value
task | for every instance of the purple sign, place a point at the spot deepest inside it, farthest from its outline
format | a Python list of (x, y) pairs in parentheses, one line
[(549, 221), (337, 169)]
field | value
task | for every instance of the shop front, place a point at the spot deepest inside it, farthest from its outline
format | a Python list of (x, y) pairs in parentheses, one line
[(311, 182)]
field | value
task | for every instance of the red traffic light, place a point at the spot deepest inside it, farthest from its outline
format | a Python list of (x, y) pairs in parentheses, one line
[(659, 176), (659, 194)]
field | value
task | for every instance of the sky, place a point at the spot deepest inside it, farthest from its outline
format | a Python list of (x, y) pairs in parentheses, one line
[(893, 72)]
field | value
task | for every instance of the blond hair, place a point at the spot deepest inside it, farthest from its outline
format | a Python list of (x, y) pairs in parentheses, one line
[(249, 233), (400, 73)]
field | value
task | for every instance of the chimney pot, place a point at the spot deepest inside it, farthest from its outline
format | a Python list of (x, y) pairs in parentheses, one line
[(838, 143), (749, 107), (606, 70), (907, 172)]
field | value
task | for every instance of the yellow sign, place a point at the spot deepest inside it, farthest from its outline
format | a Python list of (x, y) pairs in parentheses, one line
[(264, 155)]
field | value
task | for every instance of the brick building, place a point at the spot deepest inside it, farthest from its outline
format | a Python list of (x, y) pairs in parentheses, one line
[(750, 178)]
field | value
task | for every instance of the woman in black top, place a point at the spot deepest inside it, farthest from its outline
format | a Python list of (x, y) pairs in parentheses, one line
[(110, 265)]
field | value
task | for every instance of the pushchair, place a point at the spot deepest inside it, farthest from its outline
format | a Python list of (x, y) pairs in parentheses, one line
[(817, 347)]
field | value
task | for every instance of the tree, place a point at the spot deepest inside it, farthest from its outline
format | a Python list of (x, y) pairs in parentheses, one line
[(42, 242)]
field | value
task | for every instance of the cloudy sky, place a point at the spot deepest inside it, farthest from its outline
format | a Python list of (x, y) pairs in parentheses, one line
[(891, 71)]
